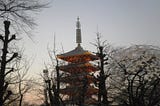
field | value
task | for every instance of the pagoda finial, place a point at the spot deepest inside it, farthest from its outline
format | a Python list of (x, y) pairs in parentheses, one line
[(78, 32), (78, 23)]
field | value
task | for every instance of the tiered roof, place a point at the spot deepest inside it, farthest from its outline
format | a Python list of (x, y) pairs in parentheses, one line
[(78, 55)]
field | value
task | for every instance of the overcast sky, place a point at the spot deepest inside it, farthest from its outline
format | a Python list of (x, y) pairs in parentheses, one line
[(120, 22)]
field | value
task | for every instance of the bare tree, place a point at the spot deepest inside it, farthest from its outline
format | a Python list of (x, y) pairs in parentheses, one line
[(54, 83), (21, 12), (12, 70), (23, 83), (18, 12), (140, 78), (103, 74), (4, 61)]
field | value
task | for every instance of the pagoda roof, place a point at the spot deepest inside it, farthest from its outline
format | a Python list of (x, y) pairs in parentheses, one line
[(77, 51), (72, 90), (78, 78), (77, 55), (79, 67), (89, 101)]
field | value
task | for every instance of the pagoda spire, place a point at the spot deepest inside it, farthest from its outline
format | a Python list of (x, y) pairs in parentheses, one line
[(78, 32)]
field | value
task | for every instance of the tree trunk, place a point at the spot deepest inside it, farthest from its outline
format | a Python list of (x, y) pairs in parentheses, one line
[(4, 62), (102, 81), (20, 101)]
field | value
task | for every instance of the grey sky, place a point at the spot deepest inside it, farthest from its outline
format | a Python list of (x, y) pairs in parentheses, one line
[(120, 22)]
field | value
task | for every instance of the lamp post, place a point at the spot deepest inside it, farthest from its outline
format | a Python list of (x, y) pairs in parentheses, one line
[(45, 75), (48, 87)]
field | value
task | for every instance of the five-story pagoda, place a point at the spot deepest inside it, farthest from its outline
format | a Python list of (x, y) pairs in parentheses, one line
[(79, 88)]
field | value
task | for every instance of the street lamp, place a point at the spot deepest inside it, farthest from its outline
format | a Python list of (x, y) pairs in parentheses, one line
[(46, 79), (48, 88), (45, 73)]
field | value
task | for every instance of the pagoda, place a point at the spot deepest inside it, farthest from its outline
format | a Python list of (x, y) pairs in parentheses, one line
[(79, 80)]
